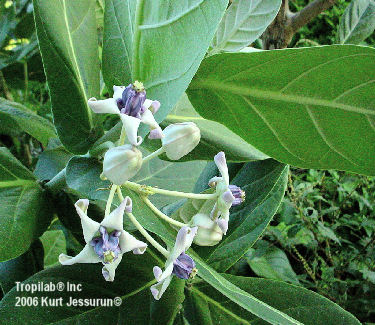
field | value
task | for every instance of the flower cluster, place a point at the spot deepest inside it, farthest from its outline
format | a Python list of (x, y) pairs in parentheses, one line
[(106, 242)]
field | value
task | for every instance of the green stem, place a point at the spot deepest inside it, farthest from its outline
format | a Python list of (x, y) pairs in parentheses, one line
[(142, 230), (110, 199), (136, 39), (149, 190), (153, 155), (122, 136), (26, 76), (161, 214)]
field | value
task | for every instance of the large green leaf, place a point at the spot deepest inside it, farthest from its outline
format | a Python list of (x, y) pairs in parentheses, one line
[(305, 306), (264, 183), (51, 162), (357, 22), (69, 47), (215, 137), (310, 107), (16, 117), (160, 42), (22, 267), (132, 284), (243, 23), (241, 297), (23, 207), (164, 311)]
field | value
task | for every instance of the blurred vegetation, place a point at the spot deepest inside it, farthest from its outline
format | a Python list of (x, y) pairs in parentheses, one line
[(323, 234)]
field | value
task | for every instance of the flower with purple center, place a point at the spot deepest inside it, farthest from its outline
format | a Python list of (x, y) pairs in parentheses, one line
[(238, 193), (106, 242), (131, 104), (227, 195), (178, 263)]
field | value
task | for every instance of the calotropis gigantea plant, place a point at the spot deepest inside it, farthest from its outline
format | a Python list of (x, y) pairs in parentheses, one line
[(107, 241), (163, 134)]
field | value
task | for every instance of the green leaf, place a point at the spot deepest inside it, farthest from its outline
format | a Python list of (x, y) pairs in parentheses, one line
[(54, 244), (241, 297), (165, 310), (215, 137), (160, 42), (22, 267), (118, 41), (264, 183), (243, 23), (357, 22), (83, 178), (271, 263), (305, 306), (132, 284), (69, 47), (51, 162), (23, 207), (309, 107), (15, 116)]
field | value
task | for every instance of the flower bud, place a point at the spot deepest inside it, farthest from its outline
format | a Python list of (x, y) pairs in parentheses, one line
[(180, 138), (122, 163), (209, 233)]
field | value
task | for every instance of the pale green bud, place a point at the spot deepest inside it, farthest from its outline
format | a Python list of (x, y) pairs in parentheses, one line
[(209, 233), (122, 163), (179, 139)]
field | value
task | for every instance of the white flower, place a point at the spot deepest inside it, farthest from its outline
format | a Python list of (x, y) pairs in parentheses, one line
[(122, 163), (178, 263), (179, 139), (107, 241), (131, 105), (209, 233), (227, 195)]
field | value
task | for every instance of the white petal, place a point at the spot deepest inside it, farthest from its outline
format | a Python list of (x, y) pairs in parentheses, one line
[(87, 255), (131, 125), (223, 224), (115, 220), (159, 288), (228, 198), (147, 104), (221, 164), (89, 226), (214, 180), (215, 213), (160, 276), (109, 269), (104, 106), (117, 92), (184, 240), (130, 243), (149, 119)]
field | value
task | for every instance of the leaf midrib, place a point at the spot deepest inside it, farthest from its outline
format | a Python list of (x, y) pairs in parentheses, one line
[(200, 84), (74, 57), (218, 305)]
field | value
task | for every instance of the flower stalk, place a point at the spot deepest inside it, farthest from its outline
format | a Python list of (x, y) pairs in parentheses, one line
[(142, 230)]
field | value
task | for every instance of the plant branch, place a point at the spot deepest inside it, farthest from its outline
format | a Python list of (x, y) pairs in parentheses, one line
[(313, 9), (280, 32)]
